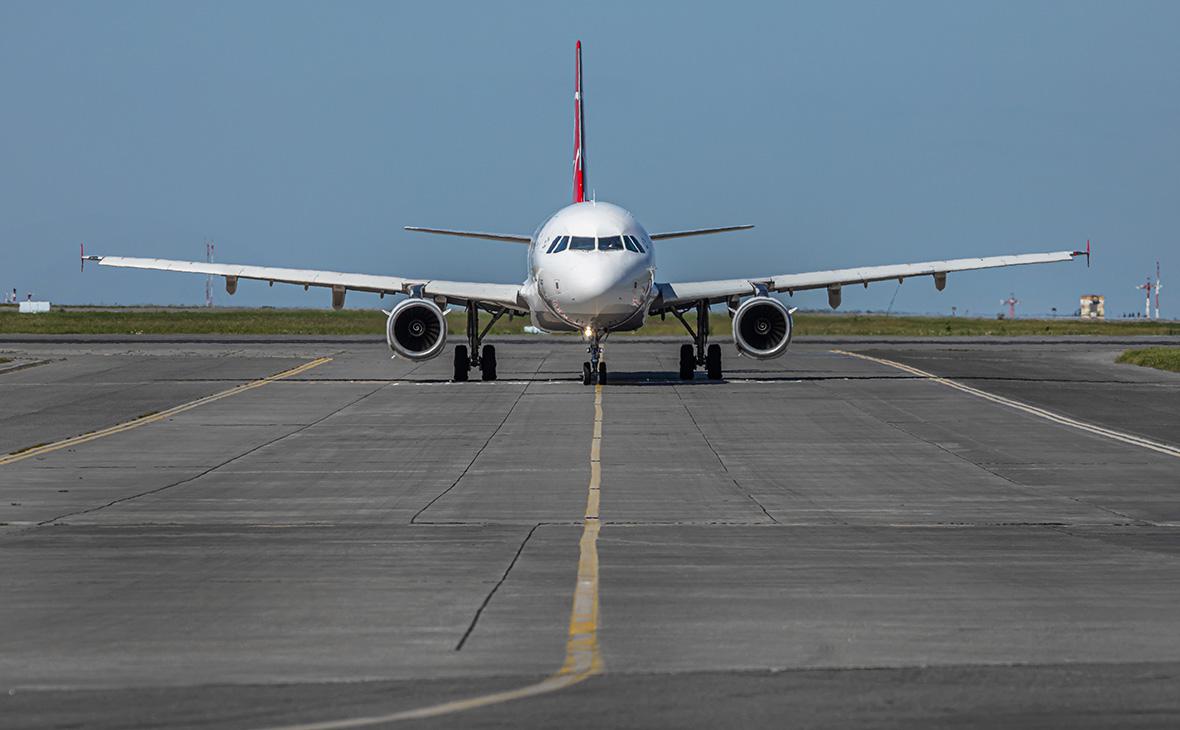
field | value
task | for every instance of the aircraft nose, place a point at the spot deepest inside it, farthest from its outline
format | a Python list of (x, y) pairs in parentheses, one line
[(604, 288), (591, 284)]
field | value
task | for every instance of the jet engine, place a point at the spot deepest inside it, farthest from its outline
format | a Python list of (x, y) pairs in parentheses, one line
[(416, 330), (762, 328)]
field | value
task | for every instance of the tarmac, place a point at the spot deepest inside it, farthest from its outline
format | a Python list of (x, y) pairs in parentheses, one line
[(864, 533)]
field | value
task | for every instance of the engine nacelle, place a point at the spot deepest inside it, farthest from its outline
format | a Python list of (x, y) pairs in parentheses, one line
[(416, 330), (762, 328)]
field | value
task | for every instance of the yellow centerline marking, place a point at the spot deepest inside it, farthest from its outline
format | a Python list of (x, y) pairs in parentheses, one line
[(1109, 433), (582, 656), (156, 417)]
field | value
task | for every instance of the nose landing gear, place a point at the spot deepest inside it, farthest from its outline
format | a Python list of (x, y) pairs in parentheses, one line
[(595, 368)]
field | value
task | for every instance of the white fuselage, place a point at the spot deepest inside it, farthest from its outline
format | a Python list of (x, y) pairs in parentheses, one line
[(591, 267)]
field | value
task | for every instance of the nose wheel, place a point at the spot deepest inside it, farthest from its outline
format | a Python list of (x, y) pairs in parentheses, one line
[(594, 370)]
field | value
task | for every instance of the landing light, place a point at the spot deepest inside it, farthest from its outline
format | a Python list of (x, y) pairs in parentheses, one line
[(589, 332)]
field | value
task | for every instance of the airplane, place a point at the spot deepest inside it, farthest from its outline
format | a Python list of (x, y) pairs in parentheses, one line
[(591, 269)]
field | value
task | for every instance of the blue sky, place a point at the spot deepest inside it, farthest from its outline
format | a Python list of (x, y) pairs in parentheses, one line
[(307, 135)]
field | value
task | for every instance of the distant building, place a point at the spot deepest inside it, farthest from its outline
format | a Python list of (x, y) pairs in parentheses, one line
[(1093, 306)]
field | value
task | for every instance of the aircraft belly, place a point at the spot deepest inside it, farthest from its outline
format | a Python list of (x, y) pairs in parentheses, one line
[(551, 323)]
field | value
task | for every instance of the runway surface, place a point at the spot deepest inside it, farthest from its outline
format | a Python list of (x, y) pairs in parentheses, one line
[(822, 540)]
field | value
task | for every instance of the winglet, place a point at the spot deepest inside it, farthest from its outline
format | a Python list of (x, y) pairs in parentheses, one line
[(1085, 253), (85, 258), (579, 132)]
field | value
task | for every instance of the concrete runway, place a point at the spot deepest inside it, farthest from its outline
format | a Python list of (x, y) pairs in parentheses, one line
[(818, 541)]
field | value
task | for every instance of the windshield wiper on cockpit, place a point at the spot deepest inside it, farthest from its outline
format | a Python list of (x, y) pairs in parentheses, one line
[(610, 243)]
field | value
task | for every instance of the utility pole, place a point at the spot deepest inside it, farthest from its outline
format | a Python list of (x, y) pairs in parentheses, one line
[(209, 279)]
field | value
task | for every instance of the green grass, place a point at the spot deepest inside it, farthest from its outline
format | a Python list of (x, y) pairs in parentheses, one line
[(135, 321), (1161, 358), (131, 321)]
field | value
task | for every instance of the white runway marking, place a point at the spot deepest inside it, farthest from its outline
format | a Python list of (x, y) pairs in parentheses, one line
[(1109, 433)]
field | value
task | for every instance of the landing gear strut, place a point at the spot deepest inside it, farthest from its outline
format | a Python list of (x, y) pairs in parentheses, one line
[(595, 367), (485, 360), (700, 352)]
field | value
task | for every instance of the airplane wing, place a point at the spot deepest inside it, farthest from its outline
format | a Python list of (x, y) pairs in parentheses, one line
[(455, 292), (517, 238), (510, 237), (696, 232), (678, 294)]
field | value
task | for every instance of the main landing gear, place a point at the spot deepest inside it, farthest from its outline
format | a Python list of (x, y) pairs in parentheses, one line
[(594, 370), (700, 352), (485, 360)]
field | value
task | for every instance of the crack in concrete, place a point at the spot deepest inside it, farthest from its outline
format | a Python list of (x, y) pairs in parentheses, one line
[(488, 598), (443, 493), (721, 461)]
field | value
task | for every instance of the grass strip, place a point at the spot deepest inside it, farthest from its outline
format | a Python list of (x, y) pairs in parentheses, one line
[(1160, 358), (267, 321)]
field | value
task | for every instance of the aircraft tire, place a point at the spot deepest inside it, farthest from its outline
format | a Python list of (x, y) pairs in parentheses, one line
[(587, 374), (713, 362), (688, 363), (487, 363), (461, 363), (602, 372)]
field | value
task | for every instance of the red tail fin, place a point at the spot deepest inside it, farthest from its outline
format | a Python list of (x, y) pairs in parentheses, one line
[(579, 134)]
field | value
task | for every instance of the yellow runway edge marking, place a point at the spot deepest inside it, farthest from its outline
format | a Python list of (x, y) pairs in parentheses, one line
[(155, 417), (1126, 438), (582, 657)]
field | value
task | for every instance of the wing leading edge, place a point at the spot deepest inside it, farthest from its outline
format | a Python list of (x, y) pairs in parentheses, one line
[(674, 294), (509, 237), (455, 292), (697, 232)]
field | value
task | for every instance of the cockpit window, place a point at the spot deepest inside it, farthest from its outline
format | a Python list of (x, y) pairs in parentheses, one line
[(558, 244), (582, 243), (633, 244), (610, 243)]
